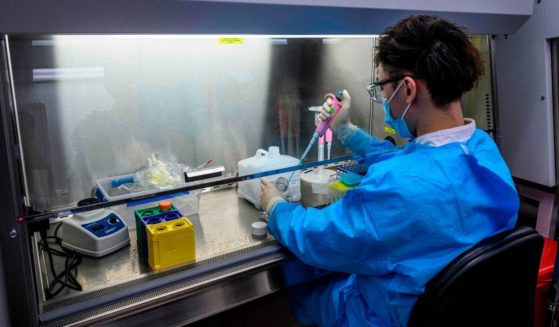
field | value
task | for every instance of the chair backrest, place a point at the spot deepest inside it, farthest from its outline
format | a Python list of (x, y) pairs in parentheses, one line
[(491, 284)]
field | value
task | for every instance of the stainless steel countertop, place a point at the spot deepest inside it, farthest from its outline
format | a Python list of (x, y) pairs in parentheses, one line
[(222, 226), (231, 268)]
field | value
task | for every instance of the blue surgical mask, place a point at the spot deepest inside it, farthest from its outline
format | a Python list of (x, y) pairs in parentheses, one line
[(399, 125)]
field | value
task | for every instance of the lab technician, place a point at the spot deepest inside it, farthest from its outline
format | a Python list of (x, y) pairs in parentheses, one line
[(419, 206)]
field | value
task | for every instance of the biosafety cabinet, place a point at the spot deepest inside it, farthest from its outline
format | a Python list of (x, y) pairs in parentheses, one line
[(99, 98)]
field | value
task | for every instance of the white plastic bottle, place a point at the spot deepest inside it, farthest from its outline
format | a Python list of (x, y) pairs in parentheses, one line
[(264, 161)]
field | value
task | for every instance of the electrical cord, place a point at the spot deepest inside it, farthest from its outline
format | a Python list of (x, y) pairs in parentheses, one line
[(67, 277)]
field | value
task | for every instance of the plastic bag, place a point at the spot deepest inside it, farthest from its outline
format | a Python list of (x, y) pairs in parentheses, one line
[(160, 174)]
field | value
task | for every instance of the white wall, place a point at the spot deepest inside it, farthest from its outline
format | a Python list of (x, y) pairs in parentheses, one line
[(523, 67)]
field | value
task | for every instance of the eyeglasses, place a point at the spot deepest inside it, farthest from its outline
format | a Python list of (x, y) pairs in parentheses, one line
[(375, 89)]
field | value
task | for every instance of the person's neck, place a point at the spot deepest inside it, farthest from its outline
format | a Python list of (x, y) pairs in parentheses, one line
[(436, 119)]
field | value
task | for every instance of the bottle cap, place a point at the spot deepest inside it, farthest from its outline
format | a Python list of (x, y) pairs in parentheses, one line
[(259, 228), (165, 205), (273, 151)]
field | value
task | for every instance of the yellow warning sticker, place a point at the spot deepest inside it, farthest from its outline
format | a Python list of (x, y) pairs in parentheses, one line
[(230, 40), (389, 130)]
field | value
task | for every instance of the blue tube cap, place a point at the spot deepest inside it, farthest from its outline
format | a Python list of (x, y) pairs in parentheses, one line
[(351, 179)]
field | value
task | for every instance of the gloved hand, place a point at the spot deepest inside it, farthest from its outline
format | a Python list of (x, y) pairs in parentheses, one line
[(270, 196), (342, 117)]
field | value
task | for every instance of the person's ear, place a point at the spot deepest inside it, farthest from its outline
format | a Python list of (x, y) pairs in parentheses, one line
[(410, 86)]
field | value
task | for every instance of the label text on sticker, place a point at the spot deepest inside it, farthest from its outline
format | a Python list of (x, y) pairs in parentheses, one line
[(230, 40)]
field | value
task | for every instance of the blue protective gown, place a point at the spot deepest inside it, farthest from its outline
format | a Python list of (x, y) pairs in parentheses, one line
[(417, 208)]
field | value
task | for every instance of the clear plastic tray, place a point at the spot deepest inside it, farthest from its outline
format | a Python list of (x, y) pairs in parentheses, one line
[(111, 189)]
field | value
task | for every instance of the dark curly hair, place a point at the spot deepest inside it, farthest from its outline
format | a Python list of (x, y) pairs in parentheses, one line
[(434, 50)]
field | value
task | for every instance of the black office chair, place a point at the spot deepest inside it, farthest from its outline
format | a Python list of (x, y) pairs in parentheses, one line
[(493, 284)]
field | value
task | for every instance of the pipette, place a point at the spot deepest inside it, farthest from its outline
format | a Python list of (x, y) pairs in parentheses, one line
[(322, 127), (328, 138), (320, 151)]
